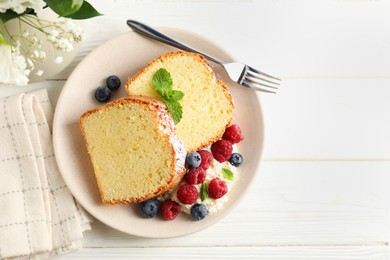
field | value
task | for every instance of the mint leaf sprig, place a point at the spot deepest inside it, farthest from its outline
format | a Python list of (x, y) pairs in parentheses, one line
[(228, 174), (162, 83), (204, 191)]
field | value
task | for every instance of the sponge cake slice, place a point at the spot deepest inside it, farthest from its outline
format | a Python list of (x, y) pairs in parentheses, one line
[(134, 151), (207, 103)]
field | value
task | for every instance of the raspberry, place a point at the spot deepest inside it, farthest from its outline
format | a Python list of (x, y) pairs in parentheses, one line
[(195, 176), (217, 188), (207, 158), (233, 134), (187, 194), (170, 209), (222, 150)]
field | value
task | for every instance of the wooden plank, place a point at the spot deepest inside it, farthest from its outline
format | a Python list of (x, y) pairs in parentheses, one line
[(264, 253), (331, 119), (291, 203)]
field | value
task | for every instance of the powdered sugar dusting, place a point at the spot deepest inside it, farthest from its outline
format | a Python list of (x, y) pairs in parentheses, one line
[(168, 127)]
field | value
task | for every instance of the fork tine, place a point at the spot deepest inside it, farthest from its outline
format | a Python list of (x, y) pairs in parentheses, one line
[(251, 75), (257, 88), (249, 80), (262, 73)]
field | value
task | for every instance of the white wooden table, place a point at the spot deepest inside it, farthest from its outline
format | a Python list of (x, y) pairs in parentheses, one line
[(323, 191)]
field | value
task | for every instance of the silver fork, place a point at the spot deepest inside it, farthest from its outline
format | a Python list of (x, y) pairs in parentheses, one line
[(238, 72)]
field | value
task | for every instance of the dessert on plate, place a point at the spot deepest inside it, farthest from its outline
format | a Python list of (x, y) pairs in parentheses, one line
[(169, 145)]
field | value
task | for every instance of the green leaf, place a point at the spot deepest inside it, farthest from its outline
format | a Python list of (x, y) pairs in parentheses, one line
[(8, 15), (86, 11), (228, 174), (65, 7), (162, 82), (204, 191), (176, 95), (2, 40), (175, 109)]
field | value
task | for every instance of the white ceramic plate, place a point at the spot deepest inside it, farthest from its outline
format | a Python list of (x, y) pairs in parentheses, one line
[(124, 56)]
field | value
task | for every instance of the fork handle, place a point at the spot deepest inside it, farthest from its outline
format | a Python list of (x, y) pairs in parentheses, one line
[(147, 31)]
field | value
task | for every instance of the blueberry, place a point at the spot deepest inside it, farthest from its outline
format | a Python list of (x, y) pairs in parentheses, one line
[(236, 159), (193, 159), (113, 82), (149, 208), (103, 94), (198, 211)]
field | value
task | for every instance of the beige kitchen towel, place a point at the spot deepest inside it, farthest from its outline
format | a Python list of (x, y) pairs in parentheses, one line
[(39, 217)]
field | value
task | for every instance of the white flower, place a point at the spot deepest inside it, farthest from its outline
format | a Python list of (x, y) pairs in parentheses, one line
[(25, 34), (34, 39), (30, 63), (19, 6), (18, 44), (54, 32), (39, 73), (12, 67), (59, 60), (77, 31), (69, 25), (36, 54), (42, 55), (64, 45), (18, 59)]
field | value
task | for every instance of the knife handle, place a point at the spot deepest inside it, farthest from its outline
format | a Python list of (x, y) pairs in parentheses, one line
[(147, 31)]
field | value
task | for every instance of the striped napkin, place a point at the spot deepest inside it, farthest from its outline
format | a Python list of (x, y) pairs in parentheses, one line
[(39, 217)]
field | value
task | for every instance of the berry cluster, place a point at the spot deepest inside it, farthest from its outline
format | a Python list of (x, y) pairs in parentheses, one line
[(103, 93), (169, 209), (223, 149), (197, 164)]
